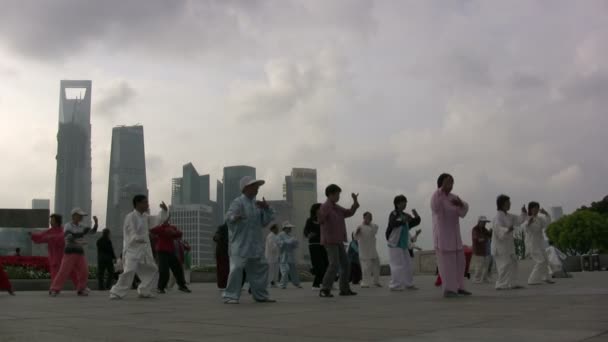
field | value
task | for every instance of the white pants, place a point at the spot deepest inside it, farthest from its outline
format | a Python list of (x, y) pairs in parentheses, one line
[(540, 272), (482, 263), (506, 266), (273, 272), (401, 268), (370, 268), (144, 266)]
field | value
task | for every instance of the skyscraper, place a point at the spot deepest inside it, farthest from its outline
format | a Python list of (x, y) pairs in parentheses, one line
[(232, 179), (41, 204), (73, 177), (301, 193), (220, 211), (191, 188), (127, 177), (196, 223)]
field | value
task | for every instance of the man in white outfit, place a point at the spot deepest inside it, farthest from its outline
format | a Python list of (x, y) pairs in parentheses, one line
[(138, 258), (368, 254), (272, 255), (503, 244)]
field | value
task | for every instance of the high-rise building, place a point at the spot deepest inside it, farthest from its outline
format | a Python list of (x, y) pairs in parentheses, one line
[(127, 177), (73, 177), (196, 223), (301, 193), (41, 204), (231, 181), (176, 191), (191, 188), (219, 216)]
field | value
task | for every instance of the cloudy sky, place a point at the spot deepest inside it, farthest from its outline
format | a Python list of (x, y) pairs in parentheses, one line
[(379, 96)]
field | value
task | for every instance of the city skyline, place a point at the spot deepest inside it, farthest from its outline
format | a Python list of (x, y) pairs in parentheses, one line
[(379, 97)]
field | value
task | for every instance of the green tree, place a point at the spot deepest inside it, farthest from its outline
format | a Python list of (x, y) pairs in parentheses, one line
[(581, 232)]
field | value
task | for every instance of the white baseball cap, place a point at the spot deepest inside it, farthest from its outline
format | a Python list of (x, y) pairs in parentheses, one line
[(79, 212), (483, 219), (248, 180), (286, 224)]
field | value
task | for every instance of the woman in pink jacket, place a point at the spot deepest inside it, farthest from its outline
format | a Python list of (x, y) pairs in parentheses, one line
[(447, 210), (54, 238)]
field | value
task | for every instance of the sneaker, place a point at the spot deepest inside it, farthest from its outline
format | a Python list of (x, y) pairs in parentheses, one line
[(231, 301), (53, 293), (325, 294), (115, 297), (396, 289), (82, 293), (185, 289), (365, 286), (283, 287), (299, 286), (535, 284), (11, 292), (160, 291), (316, 288), (517, 287), (549, 281), (464, 293), (348, 293), (412, 288), (450, 294), (378, 285), (145, 296)]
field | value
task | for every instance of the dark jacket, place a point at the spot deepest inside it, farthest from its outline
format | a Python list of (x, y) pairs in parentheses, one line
[(312, 231)]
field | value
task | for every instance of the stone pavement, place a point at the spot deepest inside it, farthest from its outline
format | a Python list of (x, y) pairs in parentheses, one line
[(572, 310)]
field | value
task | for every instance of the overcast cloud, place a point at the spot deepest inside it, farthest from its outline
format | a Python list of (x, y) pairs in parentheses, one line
[(379, 96)]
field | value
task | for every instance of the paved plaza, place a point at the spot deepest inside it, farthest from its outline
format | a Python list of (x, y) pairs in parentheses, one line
[(572, 310)]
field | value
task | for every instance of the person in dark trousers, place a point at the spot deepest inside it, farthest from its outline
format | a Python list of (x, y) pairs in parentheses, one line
[(105, 261), (318, 255), (222, 260), (166, 234), (333, 236), (355, 263)]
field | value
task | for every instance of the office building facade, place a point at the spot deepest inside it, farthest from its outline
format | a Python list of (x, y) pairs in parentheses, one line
[(196, 221)]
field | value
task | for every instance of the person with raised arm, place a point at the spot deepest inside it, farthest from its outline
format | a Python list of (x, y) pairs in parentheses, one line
[(535, 243)]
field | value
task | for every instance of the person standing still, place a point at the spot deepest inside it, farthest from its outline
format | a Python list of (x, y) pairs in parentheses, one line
[(105, 261), (447, 210), (368, 254), (333, 236), (481, 237), (318, 255)]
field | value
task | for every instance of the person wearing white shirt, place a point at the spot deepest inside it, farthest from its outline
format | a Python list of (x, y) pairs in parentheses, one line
[(503, 243), (535, 243), (137, 251), (273, 253), (368, 254)]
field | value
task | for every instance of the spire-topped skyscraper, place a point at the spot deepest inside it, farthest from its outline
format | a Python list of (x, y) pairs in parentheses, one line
[(73, 177)]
